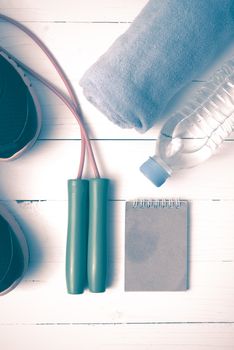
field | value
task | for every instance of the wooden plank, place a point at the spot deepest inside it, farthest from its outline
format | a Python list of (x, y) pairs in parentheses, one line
[(210, 230), (73, 10), (41, 297), (82, 45), (120, 336), (43, 172), (210, 299)]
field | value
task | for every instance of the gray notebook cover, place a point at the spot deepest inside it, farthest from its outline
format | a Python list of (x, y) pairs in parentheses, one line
[(156, 246)]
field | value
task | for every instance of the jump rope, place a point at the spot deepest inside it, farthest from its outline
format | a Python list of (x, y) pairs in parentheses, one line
[(87, 198)]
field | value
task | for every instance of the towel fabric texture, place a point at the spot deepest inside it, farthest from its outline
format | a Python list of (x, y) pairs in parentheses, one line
[(169, 43)]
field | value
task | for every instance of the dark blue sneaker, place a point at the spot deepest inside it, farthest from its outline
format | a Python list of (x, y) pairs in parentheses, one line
[(20, 115), (14, 253)]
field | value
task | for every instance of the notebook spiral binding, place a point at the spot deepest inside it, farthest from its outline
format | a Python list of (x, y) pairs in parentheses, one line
[(157, 203)]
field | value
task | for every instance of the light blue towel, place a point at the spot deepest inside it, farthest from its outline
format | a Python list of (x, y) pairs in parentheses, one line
[(168, 45)]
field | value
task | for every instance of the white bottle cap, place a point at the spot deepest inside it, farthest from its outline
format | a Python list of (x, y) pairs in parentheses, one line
[(155, 172)]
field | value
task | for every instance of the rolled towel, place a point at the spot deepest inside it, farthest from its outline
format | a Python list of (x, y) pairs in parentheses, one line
[(168, 44)]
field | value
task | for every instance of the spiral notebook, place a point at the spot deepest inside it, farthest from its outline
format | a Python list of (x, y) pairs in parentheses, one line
[(156, 245)]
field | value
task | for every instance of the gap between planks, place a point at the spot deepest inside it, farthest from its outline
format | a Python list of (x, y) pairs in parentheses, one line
[(114, 323)]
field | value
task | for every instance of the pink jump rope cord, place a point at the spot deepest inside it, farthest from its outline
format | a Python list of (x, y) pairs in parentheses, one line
[(85, 142)]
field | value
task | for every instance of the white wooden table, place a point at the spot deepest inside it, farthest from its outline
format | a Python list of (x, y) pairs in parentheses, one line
[(39, 314)]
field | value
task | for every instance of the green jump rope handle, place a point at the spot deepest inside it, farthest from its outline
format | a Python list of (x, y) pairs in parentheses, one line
[(96, 269), (77, 235)]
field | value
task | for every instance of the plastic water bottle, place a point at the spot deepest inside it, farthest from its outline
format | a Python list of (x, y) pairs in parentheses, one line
[(192, 135)]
